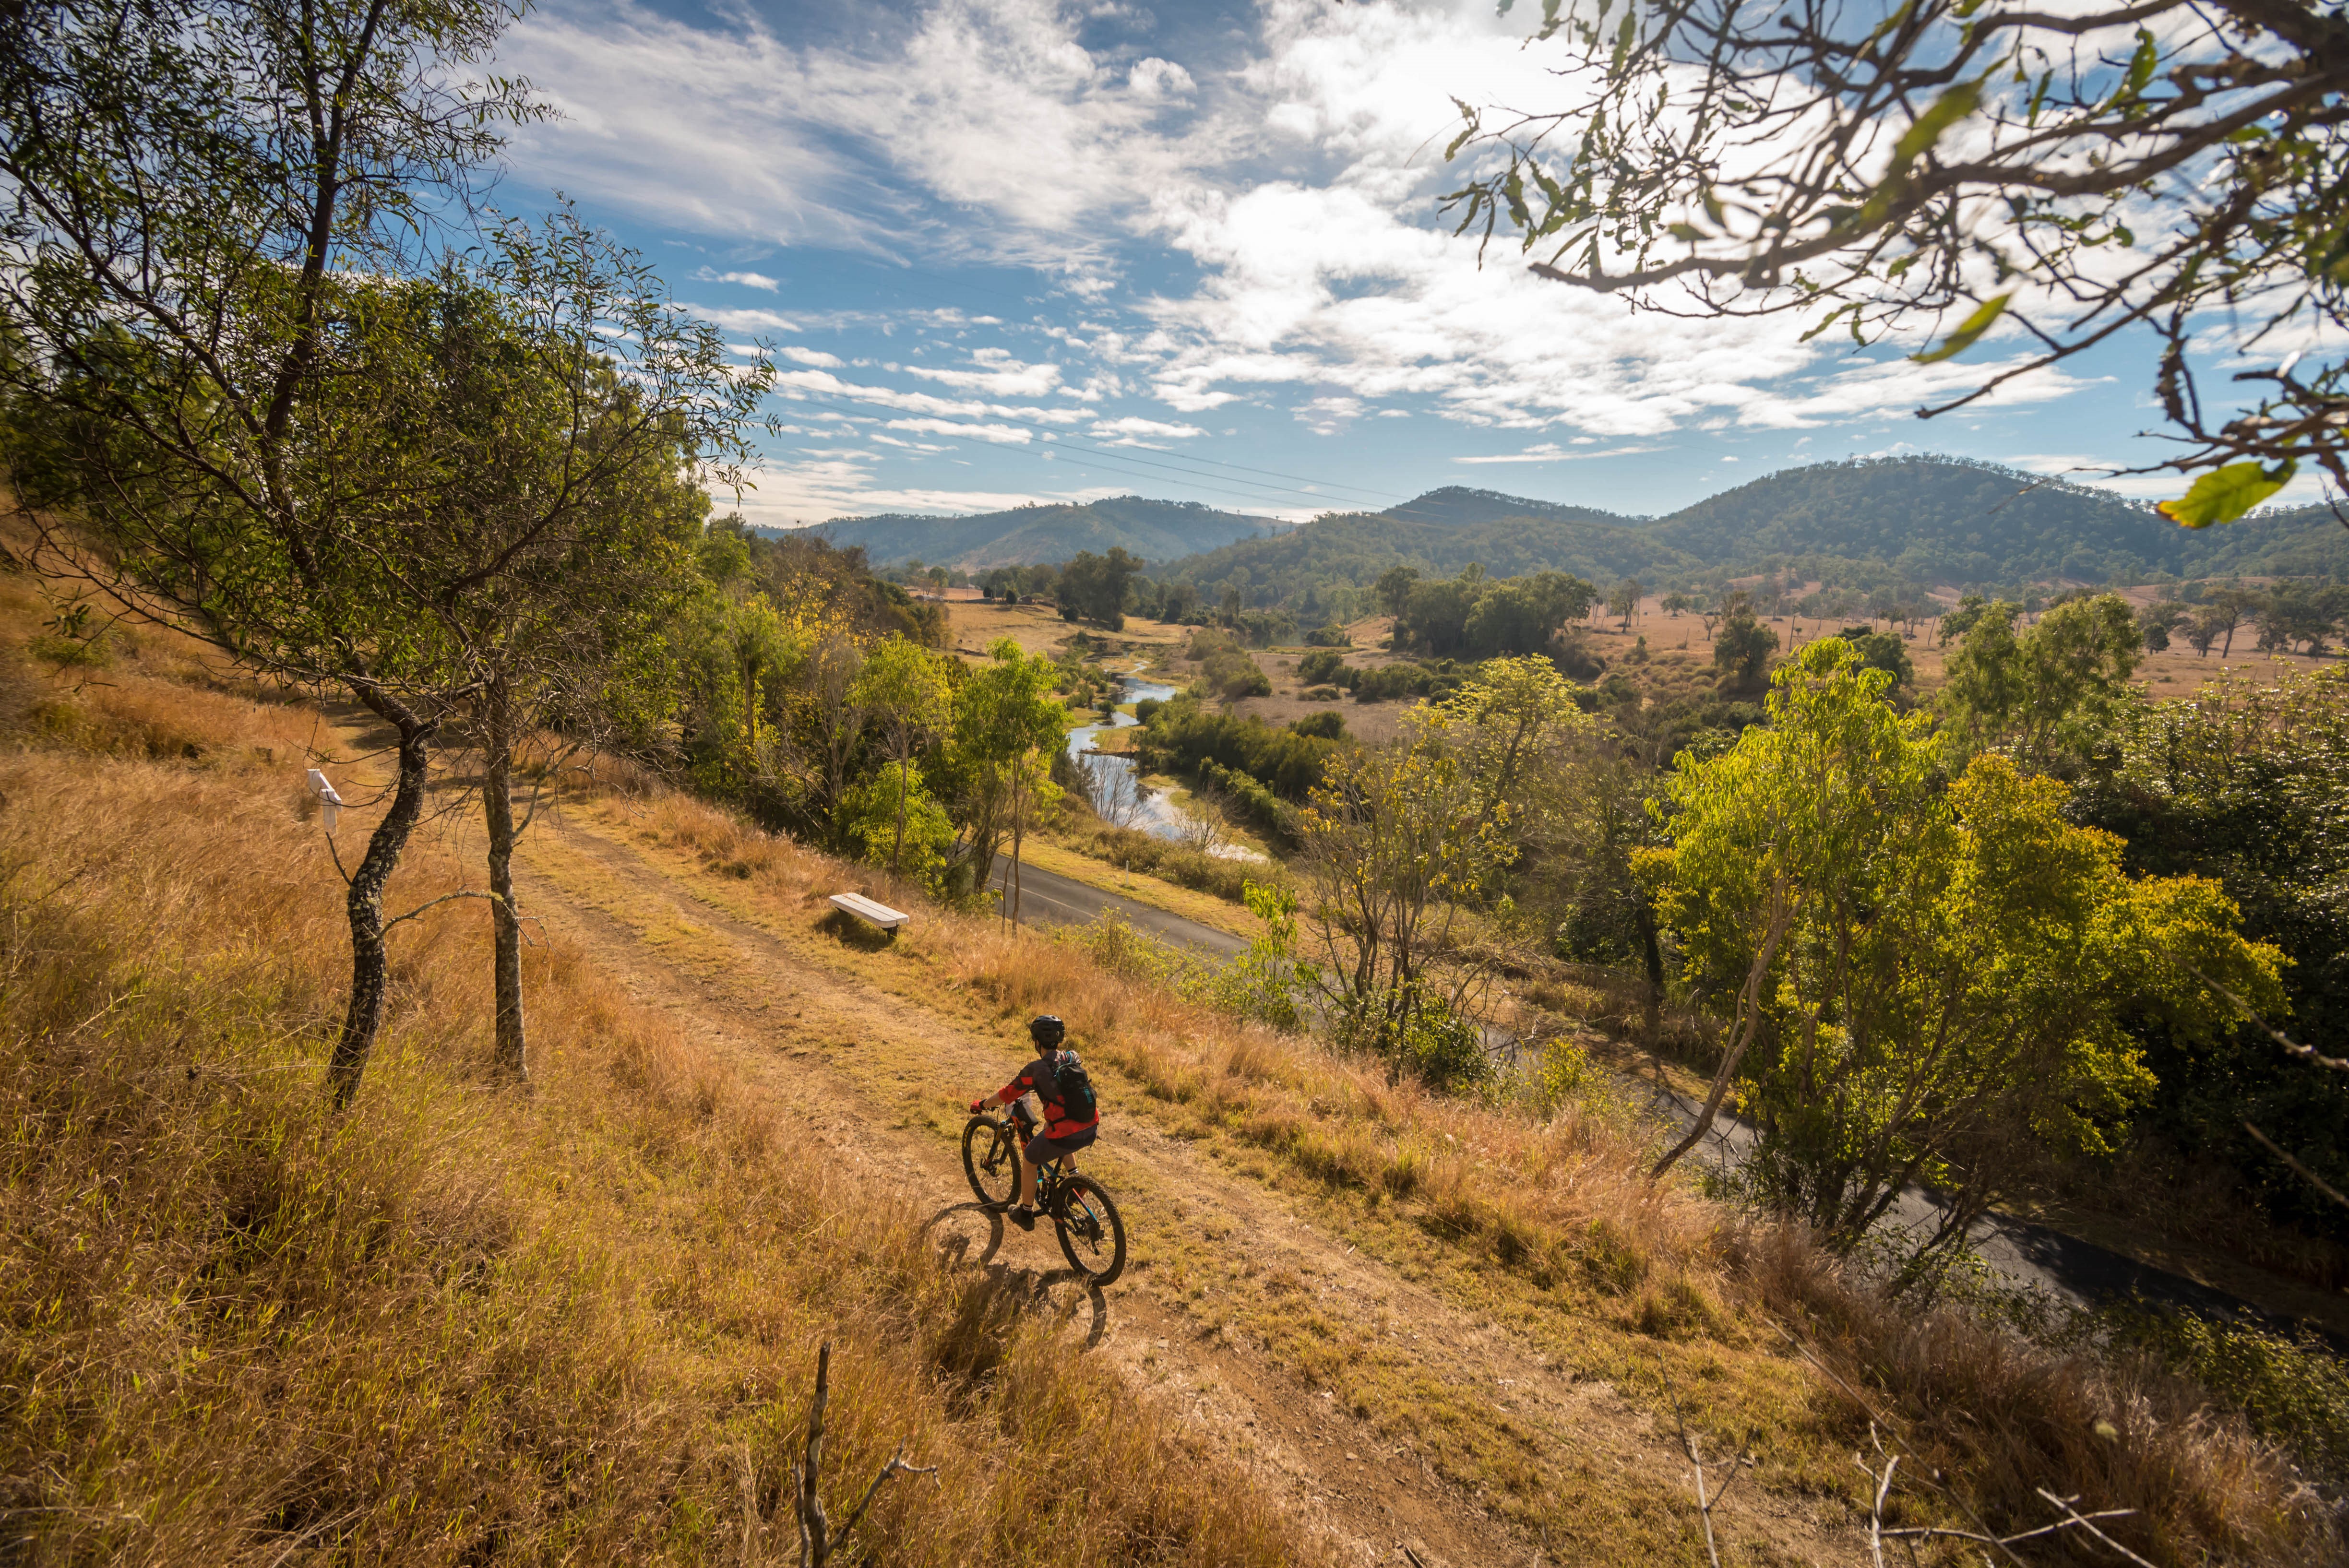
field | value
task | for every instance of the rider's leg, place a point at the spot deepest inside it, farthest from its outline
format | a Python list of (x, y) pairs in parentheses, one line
[(1030, 1178)]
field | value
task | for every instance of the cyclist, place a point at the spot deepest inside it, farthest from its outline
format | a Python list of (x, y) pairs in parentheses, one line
[(1071, 1116)]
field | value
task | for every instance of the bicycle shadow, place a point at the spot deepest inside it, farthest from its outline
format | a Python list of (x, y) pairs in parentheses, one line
[(964, 1244)]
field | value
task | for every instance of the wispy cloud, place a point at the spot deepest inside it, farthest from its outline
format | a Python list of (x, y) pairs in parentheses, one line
[(748, 280), (1551, 452)]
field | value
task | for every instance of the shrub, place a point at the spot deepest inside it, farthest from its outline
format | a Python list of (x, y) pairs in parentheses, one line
[(1321, 667), (1321, 726), (2295, 1391), (1320, 694), (1183, 736), (1389, 681)]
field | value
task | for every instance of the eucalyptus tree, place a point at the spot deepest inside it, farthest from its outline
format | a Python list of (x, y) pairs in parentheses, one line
[(2071, 173), (906, 688), (568, 420), (1922, 985), (201, 208)]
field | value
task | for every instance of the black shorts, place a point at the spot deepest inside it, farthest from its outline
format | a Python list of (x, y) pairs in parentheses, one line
[(1044, 1151)]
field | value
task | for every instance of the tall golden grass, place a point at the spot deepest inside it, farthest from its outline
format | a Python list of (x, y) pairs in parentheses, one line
[(457, 1324), (1562, 1200)]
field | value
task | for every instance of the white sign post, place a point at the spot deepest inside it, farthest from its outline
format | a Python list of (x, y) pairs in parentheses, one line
[(328, 801)]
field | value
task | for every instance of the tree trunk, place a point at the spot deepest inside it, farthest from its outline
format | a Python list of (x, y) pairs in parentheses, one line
[(897, 849), (1747, 1025), (364, 1014), (1652, 950), (497, 799)]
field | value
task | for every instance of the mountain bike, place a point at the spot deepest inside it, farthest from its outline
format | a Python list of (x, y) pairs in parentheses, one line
[(1092, 1236)]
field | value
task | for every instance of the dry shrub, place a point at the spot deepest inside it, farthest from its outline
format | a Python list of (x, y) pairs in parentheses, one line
[(458, 1323), (2006, 1416)]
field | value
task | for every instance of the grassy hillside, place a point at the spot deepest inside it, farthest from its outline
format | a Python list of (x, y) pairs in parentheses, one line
[(457, 1325), (1929, 521), (1154, 529), (465, 1324)]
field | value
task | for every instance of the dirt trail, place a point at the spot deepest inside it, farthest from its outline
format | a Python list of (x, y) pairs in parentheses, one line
[(883, 1082)]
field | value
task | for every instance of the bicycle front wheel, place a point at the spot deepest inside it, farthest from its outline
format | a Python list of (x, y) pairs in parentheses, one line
[(990, 1158), (1092, 1236)]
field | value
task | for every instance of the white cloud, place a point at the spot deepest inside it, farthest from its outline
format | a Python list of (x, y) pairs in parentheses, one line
[(1157, 79), (1133, 427), (1298, 182), (748, 280), (1550, 452), (998, 373), (998, 435)]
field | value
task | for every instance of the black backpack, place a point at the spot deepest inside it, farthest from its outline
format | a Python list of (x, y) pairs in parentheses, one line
[(1078, 1102)]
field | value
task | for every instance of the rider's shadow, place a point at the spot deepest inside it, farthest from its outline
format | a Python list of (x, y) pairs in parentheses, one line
[(962, 1243)]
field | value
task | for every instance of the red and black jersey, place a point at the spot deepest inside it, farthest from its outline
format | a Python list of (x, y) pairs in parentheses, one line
[(1041, 1077)]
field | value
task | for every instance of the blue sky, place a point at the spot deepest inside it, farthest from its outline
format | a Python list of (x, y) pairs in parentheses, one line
[(1017, 250)]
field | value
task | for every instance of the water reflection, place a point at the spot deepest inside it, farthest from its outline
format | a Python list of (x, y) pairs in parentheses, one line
[(1123, 797)]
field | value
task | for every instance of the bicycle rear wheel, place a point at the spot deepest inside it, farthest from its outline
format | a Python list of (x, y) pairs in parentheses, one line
[(990, 1158), (1092, 1235)]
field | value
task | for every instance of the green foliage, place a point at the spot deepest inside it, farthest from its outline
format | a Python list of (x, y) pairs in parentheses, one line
[(2249, 782), (1476, 616), (1251, 799), (2052, 696), (1398, 841), (1095, 587), (1319, 667), (2224, 494), (1329, 635), (1941, 978), (892, 821), (1269, 981), (1320, 726), (1741, 645), (1443, 1049), (1183, 736), (994, 768), (1886, 651), (1227, 672), (2295, 1391), (1389, 683)]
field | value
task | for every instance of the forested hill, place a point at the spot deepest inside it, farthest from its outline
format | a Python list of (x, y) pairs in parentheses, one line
[(1154, 529), (1933, 521), (1355, 547), (1457, 505)]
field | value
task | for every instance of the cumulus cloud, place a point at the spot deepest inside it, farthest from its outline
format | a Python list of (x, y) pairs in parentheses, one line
[(1295, 174)]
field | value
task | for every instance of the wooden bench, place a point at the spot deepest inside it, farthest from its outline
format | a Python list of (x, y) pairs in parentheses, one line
[(871, 913)]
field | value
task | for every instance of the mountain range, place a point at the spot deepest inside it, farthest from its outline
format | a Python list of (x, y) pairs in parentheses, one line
[(1937, 521), (1154, 529), (1940, 521)]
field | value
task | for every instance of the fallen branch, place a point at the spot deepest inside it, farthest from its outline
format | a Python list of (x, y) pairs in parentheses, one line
[(818, 1541)]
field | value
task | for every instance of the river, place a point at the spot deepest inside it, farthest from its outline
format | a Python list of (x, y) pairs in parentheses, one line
[(1129, 803)]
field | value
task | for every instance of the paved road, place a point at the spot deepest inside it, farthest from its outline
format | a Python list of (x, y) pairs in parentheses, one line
[(1048, 899)]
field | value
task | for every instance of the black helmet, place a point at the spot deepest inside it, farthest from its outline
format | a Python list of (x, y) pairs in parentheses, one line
[(1047, 1031)]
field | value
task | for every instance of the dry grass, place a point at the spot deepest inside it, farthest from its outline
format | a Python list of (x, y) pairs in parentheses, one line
[(1562, 1206), (461, 1324), (458, 1325)]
